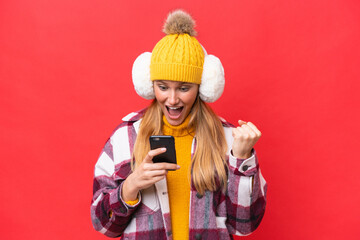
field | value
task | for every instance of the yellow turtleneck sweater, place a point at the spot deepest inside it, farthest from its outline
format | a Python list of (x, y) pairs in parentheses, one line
[(178, 181)]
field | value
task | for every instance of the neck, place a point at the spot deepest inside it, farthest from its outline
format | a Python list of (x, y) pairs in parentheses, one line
[(177, 131)]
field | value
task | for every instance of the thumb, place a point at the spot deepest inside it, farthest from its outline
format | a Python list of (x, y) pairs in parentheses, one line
[(241, 122), (153, 153), (234, 131)]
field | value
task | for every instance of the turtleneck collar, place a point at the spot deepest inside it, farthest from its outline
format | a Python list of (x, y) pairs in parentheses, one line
[(177, 131)]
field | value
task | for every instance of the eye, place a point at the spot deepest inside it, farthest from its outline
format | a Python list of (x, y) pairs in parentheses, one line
[(162, 87), (184, 89)]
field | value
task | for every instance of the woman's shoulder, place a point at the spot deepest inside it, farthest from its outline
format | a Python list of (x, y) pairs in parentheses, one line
[(134, 116), (130, 121)]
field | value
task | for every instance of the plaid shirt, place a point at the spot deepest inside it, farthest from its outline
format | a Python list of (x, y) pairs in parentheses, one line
[(214, 215)]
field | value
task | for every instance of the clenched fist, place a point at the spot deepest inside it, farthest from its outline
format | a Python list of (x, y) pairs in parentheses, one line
[(245, 137)]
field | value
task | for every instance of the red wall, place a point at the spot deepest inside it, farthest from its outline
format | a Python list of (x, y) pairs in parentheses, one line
[(292, 68)]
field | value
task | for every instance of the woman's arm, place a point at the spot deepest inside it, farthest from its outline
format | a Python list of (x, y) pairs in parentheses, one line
[(246, 195), (109, 212), (115, 185), (246, 190)]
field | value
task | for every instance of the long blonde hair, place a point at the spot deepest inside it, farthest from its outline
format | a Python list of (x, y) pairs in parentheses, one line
[(209, 166)]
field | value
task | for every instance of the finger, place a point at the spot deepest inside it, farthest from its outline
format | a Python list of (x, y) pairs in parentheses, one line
[(241, 133), (249, 130), (147, 183), (155, 173), (156, 179), (236, 132), (148, 158), (164, 166), (241, 122), (250, 124)]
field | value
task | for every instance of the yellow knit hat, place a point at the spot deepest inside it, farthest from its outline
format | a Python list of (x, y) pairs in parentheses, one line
[(178, 56)]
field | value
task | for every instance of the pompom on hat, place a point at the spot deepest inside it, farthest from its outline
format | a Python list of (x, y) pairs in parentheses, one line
[(179, 57)]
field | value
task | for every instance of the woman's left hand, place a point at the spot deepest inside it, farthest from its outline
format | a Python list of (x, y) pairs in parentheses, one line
[(245, 137)]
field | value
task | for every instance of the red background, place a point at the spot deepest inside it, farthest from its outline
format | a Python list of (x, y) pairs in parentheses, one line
[(292, 68)]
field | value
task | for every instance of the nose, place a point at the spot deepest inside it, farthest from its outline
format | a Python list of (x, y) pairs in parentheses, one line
[(173, 98)]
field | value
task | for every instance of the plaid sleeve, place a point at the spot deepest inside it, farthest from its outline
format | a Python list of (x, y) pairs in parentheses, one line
[(109, 213), (246, 195)]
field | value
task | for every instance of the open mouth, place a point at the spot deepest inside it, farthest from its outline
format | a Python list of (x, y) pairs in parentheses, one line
[(174, 112)]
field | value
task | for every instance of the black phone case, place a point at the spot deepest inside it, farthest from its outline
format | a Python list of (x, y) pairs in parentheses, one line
[(164, 141)]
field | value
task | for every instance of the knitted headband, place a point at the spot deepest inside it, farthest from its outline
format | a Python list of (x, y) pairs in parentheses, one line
[(179, 57)]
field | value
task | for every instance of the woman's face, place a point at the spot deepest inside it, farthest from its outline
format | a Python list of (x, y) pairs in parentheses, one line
[(175, 99)]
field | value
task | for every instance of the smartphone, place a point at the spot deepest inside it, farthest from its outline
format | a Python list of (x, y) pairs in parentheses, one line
[(164, 141)]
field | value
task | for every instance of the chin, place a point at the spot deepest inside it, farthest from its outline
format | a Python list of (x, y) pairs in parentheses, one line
[(174, 122)]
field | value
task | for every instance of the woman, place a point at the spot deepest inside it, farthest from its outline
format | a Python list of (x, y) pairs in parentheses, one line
[(216, 189)]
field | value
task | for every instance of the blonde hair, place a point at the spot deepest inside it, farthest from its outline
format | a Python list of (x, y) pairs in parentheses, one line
[(209, 166)]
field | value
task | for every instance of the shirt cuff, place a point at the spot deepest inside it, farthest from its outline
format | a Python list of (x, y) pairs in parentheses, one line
[(247, 167), (132, 203), (118, 206)]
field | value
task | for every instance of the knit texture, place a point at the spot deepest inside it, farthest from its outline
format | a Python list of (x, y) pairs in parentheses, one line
[(177, 57), (179, 181), (132, 202)]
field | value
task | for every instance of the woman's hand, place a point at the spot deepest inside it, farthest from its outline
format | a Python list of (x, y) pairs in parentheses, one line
[(145, 175), (245, 137)]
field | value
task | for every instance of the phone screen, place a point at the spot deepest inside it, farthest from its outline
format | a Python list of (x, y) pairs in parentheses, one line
[(164, 141)]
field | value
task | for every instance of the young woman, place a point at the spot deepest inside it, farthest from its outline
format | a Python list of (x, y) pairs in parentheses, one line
[(216, 189)]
